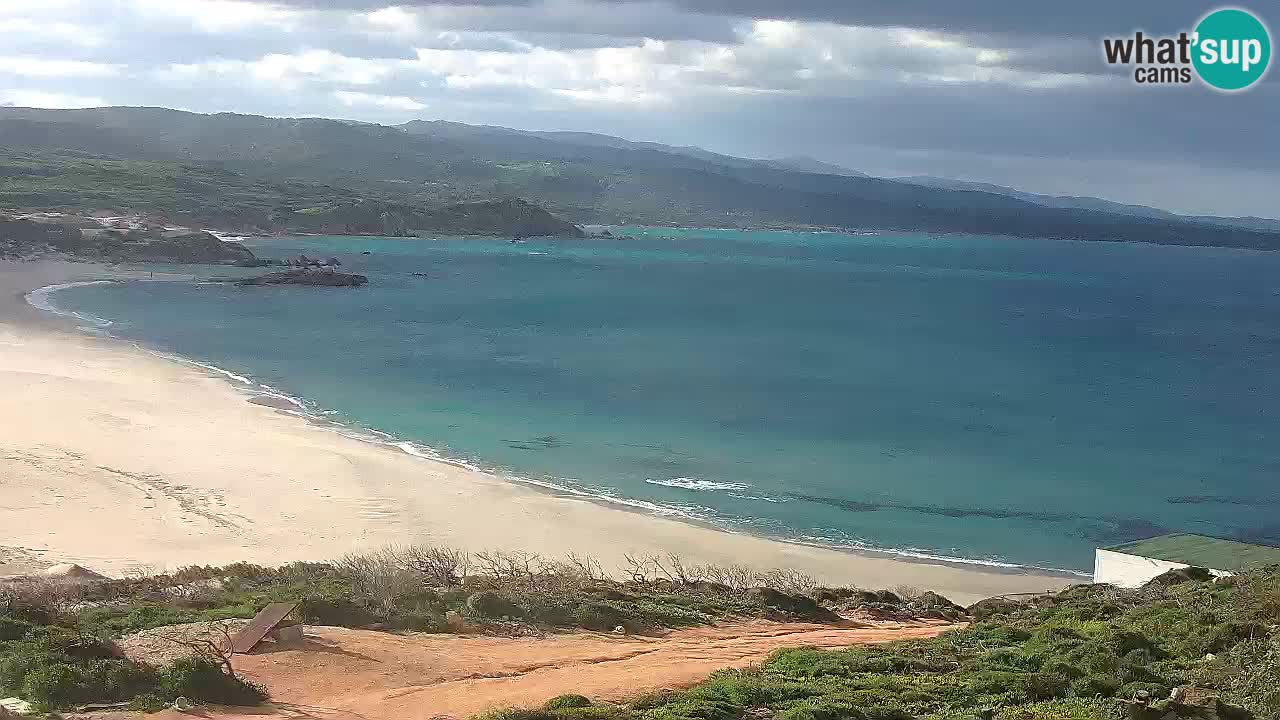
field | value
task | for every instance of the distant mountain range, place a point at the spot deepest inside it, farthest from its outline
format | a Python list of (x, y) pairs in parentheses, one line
[(802, 163), (1091, 203), (255, 171)]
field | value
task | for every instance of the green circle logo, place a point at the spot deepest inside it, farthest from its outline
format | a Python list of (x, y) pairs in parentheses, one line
[(1232, 49)]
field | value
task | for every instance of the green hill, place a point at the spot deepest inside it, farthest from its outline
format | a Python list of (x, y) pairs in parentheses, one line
[(208, 194), (583, 178)]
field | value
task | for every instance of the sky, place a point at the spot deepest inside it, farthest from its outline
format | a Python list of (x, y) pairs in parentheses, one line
[(1013, 92)]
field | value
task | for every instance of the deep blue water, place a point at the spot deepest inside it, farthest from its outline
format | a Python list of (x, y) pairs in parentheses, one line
[(1013, 400)]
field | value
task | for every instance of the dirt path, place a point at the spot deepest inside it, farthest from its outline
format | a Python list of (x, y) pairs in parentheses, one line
[(344, 674)]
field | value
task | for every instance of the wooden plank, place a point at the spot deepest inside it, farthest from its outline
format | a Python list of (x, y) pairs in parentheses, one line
[(264, 622)]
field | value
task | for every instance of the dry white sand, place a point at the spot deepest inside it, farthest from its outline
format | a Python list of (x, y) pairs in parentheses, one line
[(120, 460)]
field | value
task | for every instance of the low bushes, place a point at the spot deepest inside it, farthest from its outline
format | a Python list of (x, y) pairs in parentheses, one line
[(414, 589), (56, 666), (55, 640), (1076, 656)]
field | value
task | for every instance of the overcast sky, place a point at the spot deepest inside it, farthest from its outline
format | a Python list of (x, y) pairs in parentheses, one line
[(993, 90)]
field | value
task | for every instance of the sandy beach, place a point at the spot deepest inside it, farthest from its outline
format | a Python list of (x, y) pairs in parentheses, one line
[(122, 461)]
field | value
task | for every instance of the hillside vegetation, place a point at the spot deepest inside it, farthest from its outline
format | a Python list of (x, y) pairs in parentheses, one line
[(580, 177), (1079, 655), (211, 195), (56, 639)]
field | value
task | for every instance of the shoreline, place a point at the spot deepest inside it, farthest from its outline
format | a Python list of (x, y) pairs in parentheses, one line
[(340, 510)]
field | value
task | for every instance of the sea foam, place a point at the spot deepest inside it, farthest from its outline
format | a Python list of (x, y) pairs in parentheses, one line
[(685, 483), (41, 298)]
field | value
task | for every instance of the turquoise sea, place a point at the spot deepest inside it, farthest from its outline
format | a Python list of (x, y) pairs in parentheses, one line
[(990, 399)]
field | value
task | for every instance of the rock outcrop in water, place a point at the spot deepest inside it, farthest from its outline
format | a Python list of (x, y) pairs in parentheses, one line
[(307, 276)]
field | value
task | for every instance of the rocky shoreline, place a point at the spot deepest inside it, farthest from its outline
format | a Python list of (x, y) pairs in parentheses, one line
[(316, 277), (116, 240)]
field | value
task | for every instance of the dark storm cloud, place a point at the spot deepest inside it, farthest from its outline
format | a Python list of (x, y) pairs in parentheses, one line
[(578, 19), (1079, 17)]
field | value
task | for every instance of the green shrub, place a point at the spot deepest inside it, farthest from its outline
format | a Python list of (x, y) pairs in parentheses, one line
[(595, 712), (1071, 709), (1047, 685), (599, 616), (335, 609), (687, 708), (489, 604), (1094, 686), (885, 713), (148, 702), (655, 699), (421, 621), (119, 679), (567, 701), (203, 681), (55, 686), (552, 610), (522, 714), (13, 628), (841, 709)]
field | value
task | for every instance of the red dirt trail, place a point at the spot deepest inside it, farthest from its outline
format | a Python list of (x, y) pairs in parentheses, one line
[(343, 674)]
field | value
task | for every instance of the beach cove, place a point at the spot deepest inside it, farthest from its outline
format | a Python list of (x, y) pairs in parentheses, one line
[(122, 461)]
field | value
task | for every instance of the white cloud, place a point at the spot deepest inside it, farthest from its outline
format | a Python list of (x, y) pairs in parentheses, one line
[(220, 16), (321, 64), (288, 72), (19, 28), (38, 99), (390, 102), (391, 19), (46, 67)]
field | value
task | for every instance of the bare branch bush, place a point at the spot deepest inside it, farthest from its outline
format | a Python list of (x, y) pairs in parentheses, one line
[(509, 565), (214, 645), (673, 568), (909, 593), (522, 572), (440, 566), (636, 568), (587, 567), (381, 576), (736, 577), (787, 580), (53, 597)]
